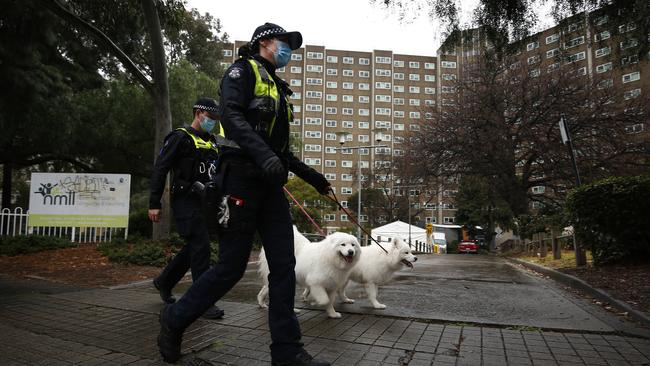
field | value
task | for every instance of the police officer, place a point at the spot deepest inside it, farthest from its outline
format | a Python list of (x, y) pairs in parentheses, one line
[(190, 153), (255, 114)]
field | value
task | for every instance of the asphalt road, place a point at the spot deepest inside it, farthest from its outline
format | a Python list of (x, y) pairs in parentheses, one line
[(465, 289)]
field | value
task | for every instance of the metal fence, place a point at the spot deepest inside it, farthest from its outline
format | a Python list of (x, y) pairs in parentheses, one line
[(15, 224)]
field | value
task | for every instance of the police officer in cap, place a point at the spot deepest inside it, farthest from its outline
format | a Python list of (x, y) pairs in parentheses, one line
[(255, 114), (190, 153)]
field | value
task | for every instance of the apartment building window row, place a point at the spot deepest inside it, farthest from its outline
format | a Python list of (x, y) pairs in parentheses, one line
[(312, 161), (429, 78), (552, 38), (348, 72), (295, 122), (312, 134), (227, 53), (295, 95), (576, 57), (315, 121), (382, 60), (532, 45), (628, 60), (314, 108), (330, 176), (602, 36), (331, 97), (398, 89), (631, 94), (397, 63), (604, 67), (332, 72), (295, 82), (398, 101), (296, 57), (429, 66), (382, 98), (315, 55), (574, 42), (448, 64), (314, 81), (414, 77), (633, 76), (626, 27), (603, 51), (330, 123), (382, 72), (364, 74), (348, 60), (332, 59), (331, 85), (363, 99), (382, 124), (330, 136), (629, 43), (382, 85), (414, 64), (414, 89), (364, 61)]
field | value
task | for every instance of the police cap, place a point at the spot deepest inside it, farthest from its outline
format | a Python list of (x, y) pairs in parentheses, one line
[(207, 104), (270, 30)]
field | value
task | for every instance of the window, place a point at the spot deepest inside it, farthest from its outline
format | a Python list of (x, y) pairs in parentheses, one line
[(346, 190), (314, 81), (330, 176), (347, 72), (607, 83), (364, 61), (414, 77), (332, 59), (382, 60), (398, 114), (629, 43), (414, 64), (296, 57), (398, 101), (348, 124), (331, 84), (414, 114), (227, 53), (313, 108), (382, 124), (552, 38), (414, 102), (314, 148), (429, 90), (295, 122), (348, 98), (330, 217), (573, 27), (429, 102), (295, 96), (348, 60), (363, 86), (603, 51), (348, 86), (632, 59), (533, 59), (295, 82), (398, 127), (315, 121), (448, 220), (382, 98), (364, 74), (534, 73), (429, 78), (330, 163), (429, 66), (398, 89), (574, 42), (314, 94), (631, 94), (382, 72), (601, 20), (382, 85), (296, 108), (364, 112), (538, 189), (634, 76), (346, 177), (330, 123), (312, 134), (576, 57), (602, 36), (312, 161), (532, 45), (315, 55), (346, 163), (414, 89), (413, 127), (332, 72), (448, 64), (552, 67), (331, 97), (330, 110), (604, 67), (347, 111), (382, 111), (295, 69), (635, 128), (364, 125), (363, 138), (330, 150), (398, 63), (329, 136), (626, 27), (364, 99), (552, 53)]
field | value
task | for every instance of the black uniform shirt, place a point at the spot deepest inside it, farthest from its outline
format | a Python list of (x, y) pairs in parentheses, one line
[(177, 148)]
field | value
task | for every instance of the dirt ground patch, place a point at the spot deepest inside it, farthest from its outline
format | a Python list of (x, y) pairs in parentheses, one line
[(83, 265)]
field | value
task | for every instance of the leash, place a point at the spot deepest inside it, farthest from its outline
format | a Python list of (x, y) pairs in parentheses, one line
[(336, 200), (305, 212)]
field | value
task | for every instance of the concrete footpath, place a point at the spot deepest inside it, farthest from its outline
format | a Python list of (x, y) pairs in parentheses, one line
[(48, 324)]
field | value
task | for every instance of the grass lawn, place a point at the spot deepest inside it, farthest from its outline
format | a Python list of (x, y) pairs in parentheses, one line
[(568, 260)]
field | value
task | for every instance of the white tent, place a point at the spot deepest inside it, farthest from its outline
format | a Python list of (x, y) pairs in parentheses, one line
[(400, 230)]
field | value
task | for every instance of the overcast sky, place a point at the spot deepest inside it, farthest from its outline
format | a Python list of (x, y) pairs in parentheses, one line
[(336, 24)]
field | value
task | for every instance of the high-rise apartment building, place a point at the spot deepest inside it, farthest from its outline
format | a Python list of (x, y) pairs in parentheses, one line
[(380, 97)]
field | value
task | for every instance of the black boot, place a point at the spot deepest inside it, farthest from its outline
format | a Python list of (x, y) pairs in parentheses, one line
[(213, 313), (169, 340), (165, 293), (301, 359)]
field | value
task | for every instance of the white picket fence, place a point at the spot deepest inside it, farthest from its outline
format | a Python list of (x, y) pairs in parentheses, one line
[(15, 224)]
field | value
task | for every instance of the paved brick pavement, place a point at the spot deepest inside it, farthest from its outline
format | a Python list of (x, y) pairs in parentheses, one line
[(119, 327)]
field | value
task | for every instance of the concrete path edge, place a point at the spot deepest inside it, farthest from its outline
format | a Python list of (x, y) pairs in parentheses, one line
[(585, 287)]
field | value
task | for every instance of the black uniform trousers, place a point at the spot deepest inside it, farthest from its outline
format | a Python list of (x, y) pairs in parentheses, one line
[(195, 254), (255, 205)]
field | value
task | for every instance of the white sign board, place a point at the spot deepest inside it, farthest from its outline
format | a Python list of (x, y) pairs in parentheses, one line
[(79, 200)]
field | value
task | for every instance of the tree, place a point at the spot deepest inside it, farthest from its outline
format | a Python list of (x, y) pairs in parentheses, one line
[(312, 202), (501, 123)]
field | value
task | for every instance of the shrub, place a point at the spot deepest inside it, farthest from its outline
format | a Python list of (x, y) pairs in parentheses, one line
[(14, 245), (452, 247), (611, 218), (149, 253)]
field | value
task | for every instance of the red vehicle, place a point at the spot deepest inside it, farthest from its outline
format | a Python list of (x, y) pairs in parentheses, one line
[(467, 247)]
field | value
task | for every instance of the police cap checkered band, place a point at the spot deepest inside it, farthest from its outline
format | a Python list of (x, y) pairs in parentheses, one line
[(207, 104), (270, 30)]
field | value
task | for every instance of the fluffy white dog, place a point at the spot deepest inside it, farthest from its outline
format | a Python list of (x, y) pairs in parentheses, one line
[(323, 268), (377, 268), (299, 241)]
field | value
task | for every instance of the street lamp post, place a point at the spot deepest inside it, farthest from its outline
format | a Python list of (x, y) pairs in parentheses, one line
[(358, 148)]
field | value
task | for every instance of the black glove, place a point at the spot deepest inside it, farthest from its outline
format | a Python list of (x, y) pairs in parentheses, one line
[(274, 171), (318, 181)]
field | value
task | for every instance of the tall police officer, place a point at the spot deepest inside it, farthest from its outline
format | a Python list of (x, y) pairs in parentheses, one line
[(255, 114), (190, 152)]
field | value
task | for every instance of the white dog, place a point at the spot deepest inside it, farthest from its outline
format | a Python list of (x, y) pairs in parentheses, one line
[(323, 268), (299, 241), (376, 267)]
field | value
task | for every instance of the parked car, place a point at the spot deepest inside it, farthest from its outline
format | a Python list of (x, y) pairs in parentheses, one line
[(467, 247)]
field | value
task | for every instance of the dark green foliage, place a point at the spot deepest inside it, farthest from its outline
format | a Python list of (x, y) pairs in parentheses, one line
[(611, 218), (14, 245), (140, 253), (452, 247)]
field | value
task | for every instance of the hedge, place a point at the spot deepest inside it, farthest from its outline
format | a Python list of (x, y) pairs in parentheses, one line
[(612, 218), (14, 245)]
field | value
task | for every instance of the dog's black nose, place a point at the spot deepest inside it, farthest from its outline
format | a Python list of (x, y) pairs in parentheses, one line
[(350, 252), (415, 259)]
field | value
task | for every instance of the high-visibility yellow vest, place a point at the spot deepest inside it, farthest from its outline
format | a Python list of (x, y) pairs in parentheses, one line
[(200, 143)]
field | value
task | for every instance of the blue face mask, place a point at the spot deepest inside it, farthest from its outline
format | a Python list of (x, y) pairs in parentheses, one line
[(282, 54), (207, 124)]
